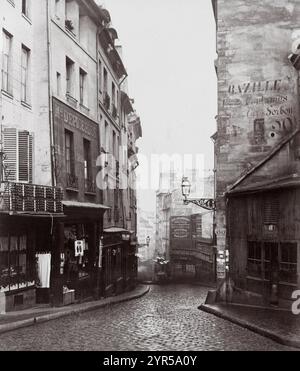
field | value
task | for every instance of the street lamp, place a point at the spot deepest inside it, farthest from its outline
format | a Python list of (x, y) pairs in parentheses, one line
[(205, 203), (186, 187)]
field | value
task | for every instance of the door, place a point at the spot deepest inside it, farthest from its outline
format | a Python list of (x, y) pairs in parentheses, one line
[(272, 269)]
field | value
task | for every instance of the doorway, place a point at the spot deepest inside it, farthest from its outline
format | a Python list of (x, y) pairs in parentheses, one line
[(272, 269)]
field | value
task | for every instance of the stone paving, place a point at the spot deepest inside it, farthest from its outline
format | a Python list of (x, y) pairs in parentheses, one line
[(167, 319)]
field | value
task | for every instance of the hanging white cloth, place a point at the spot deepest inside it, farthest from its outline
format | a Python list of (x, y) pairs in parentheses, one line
[(44, 270)]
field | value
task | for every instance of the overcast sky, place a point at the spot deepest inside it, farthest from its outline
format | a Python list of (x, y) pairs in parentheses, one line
[(169, 51)]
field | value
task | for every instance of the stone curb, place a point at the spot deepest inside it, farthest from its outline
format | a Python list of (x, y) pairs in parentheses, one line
[(87, 307), (283, 340)]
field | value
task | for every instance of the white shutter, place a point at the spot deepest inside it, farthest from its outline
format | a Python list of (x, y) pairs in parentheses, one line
[(18, 155), (10, 153)]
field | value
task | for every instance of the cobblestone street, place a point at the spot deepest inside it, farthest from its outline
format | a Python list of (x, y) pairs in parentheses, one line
[(167, 319)]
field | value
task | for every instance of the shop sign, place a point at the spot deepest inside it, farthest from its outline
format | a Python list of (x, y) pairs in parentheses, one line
[(79, 248)]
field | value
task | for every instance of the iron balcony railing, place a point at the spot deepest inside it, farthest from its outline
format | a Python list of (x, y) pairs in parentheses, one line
[(72, 182), (90, 186), (19, 197)]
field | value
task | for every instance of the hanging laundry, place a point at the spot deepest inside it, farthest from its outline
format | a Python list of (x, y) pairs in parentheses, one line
[(44, 270)]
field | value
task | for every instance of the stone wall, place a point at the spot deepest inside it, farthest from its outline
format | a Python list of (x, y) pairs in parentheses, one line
[(257, 87)]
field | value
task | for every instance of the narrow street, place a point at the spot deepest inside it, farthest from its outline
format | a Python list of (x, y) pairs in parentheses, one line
[(167, 319)]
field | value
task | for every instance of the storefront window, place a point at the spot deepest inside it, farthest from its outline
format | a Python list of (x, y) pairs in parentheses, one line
[(14, 268), (4, 262), (254, 259), (75, 266), (288, 262)]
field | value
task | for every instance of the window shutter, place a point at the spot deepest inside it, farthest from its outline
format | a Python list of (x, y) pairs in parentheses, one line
[(25, 156), (30, 165), (10, 150), (271, 210)]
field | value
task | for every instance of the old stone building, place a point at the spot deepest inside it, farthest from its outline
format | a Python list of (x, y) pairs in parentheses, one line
[(62, 108), (258, 113)]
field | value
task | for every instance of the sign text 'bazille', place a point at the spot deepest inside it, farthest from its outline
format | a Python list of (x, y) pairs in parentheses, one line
[(255, 87)]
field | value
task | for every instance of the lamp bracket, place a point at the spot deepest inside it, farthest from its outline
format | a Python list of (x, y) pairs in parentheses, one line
[(205, 203)]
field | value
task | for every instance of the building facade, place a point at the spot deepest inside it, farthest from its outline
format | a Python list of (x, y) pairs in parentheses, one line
[(258, 110), (61, 110), (184, 234)]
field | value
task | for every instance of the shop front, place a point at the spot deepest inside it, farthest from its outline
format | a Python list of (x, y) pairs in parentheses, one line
[(28, 217), (78, 277), (264, 251), (17, 265), (119, 262)]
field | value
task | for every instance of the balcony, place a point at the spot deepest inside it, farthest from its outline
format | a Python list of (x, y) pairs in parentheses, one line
[(19, 197), (90, 186), (71, 100), (69, 26), (84, 109), (72, 183)]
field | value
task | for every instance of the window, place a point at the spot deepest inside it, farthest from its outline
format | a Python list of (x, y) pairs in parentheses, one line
[(83, 87), (70, 10), (100, 77), (113, 93), (87, 159), (58, 83), (70, 76), (69, 152), (7, 63), (288, 262), (25, 75), (105, 80), (57, 8), (26, 8), (106, 137), (15, 268), (254, 259), (18, 149), (114, 144), (259, 131)]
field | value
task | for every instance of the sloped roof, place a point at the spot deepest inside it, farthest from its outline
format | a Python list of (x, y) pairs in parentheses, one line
[(238, 186)]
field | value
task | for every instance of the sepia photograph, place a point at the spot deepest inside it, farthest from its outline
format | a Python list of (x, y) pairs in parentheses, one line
[(149, 178)]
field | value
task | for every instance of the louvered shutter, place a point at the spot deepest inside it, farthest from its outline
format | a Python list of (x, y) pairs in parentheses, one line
[(10, 151), (30, 164), (271, 210), (25, 157)]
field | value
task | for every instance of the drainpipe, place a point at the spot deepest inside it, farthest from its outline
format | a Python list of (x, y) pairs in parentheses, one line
[(51, 123)]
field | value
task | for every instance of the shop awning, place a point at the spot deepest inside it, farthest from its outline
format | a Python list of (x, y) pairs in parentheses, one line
[(32, 214), (84, 210), (115, 230), (84, 205)]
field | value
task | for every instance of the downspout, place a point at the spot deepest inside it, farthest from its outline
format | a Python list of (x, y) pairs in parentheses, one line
[(51, 123), (120, 122)]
